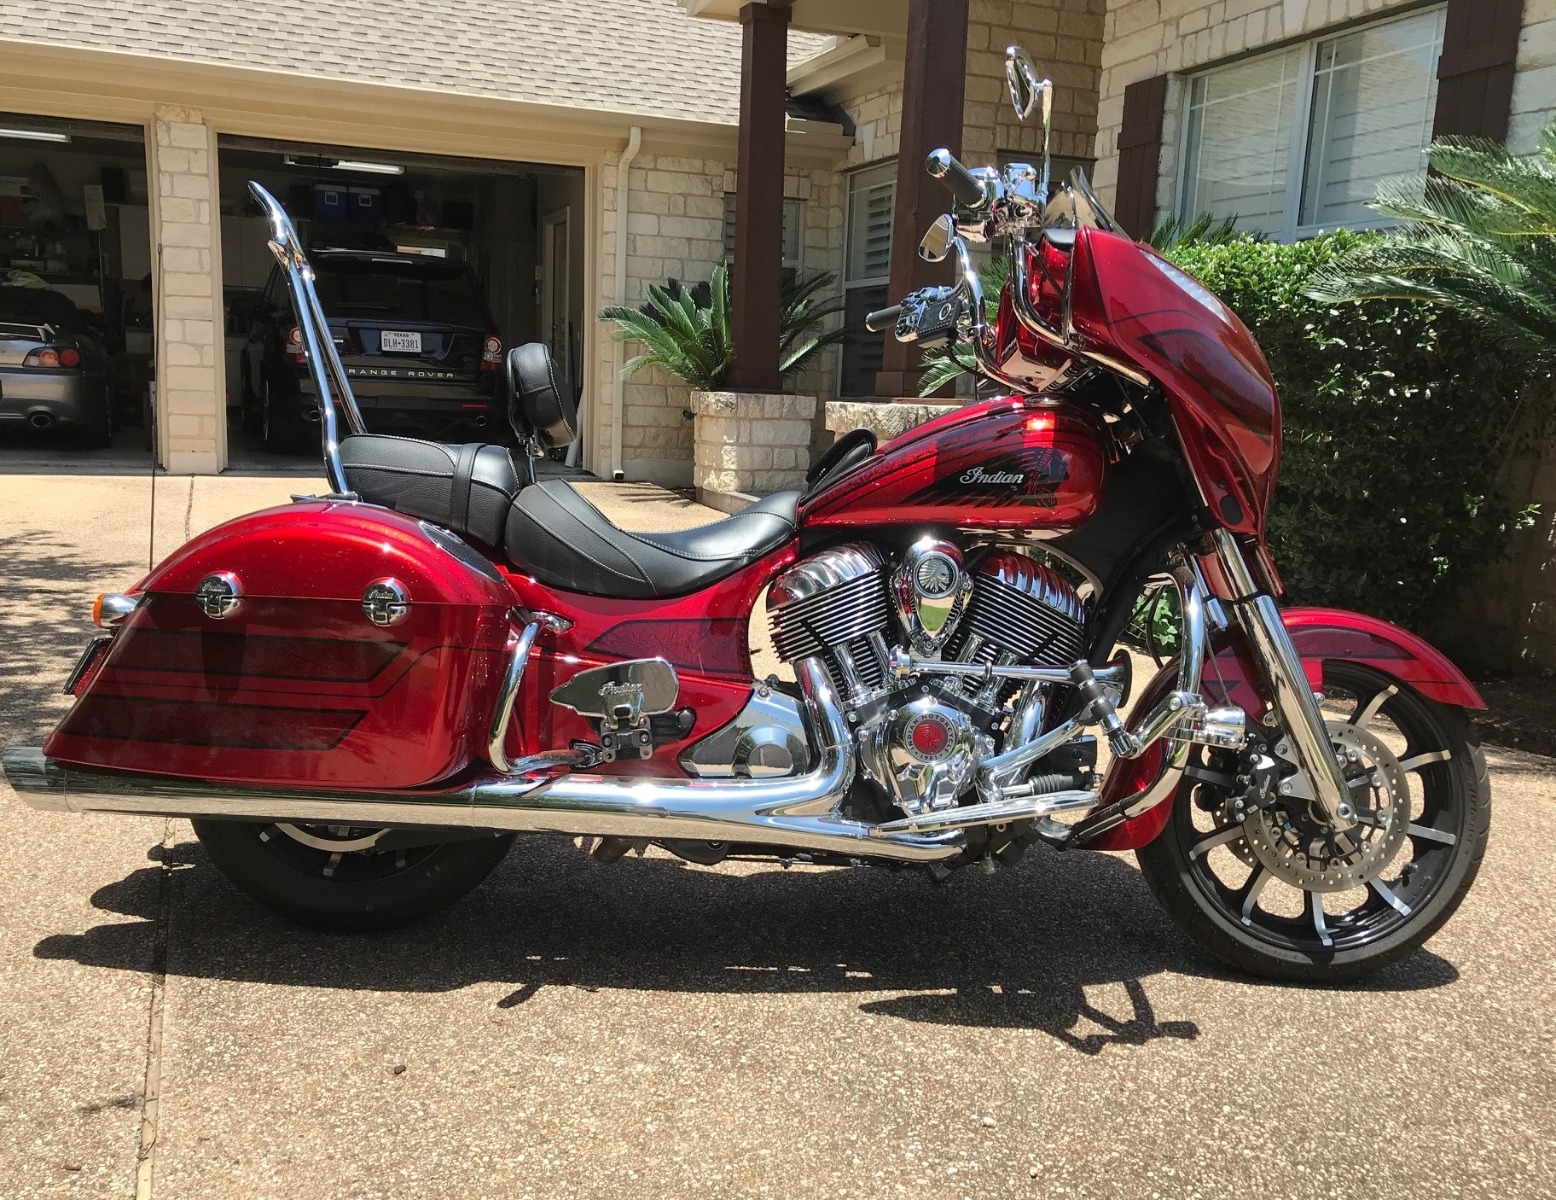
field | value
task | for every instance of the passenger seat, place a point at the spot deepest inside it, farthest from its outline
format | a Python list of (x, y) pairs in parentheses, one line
[(466, 489)]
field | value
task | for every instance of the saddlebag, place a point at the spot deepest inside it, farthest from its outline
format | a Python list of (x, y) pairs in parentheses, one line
[(317, 643)]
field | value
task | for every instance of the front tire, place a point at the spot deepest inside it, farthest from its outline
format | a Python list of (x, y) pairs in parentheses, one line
[(1263, 903), (334, 878)]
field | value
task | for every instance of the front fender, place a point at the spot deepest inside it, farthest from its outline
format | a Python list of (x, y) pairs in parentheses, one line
[(1232, 677)]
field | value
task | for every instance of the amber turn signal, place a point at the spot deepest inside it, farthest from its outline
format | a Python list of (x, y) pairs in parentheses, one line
[(110, 608)]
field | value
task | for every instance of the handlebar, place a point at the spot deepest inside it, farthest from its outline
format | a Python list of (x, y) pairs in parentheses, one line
[(883, 319), (966, 187)]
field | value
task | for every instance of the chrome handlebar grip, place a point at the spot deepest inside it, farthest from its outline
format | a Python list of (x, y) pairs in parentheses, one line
[(966, 187), (329, 375), (882, 319)]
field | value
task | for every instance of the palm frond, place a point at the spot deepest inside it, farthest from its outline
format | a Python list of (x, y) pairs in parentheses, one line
[(1478, 238)]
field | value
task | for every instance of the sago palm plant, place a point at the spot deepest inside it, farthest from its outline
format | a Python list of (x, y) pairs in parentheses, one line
[(1480, 239), (687, 338), (687, 330)]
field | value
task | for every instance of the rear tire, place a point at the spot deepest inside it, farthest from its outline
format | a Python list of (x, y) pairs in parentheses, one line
[(1214, 885), (281, 434), (350, 891)]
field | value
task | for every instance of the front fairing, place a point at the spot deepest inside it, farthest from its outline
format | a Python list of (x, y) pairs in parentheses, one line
[(1127, 301)]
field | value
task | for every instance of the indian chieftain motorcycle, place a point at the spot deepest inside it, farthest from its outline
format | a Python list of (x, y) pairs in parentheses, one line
[(361, 698)]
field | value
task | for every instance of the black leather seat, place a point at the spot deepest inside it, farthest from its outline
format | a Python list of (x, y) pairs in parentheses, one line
[(562, 540), (466, 489)]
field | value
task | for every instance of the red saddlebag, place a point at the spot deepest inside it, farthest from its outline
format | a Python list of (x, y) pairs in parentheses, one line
[(296, 683)]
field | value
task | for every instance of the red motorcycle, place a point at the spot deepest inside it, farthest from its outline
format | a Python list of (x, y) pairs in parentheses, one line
[(360, 698)]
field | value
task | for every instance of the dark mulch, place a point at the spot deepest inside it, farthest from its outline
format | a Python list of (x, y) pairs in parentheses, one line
[(1520, 712)]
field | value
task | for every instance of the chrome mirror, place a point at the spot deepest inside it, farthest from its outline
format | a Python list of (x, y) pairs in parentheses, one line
[(1027, 87), (936, 242)]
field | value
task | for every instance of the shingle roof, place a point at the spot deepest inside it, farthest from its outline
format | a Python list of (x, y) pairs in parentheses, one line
[(640, 56)]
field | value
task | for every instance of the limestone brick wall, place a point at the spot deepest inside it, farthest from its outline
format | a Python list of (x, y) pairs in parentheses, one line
[(675, 229), (1064, 38), (1142, 38), (750, 445), (1534, 86), (188, 297)]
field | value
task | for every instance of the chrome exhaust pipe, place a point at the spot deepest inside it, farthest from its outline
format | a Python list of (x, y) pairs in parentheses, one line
[(798, 812), (40, 420)]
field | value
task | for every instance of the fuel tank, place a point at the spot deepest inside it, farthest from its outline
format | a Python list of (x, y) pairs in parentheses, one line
[(254, 656), (1006, 464)]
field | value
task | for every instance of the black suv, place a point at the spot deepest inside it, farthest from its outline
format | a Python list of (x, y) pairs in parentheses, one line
[(413, 332)]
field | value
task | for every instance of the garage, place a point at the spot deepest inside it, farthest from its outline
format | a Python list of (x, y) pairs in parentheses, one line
[(429, 269), (76, 322)]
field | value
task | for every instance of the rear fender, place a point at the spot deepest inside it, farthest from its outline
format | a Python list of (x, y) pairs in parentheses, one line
[(1232, 677)]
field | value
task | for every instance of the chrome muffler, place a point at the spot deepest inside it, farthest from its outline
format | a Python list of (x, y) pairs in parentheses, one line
[(797, 812)]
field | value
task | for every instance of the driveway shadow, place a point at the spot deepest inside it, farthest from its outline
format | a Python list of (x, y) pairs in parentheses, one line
[(1017, 950)]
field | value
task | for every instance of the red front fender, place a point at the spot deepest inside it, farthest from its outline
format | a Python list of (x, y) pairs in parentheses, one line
[(1320, 635)]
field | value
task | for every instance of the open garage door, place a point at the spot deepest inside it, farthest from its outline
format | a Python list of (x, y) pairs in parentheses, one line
[(429, 269), (76, 361)]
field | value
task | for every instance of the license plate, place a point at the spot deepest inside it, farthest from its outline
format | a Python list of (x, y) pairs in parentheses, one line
[(403, 343)]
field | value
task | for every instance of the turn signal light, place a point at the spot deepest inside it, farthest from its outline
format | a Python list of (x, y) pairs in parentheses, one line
[(46, 357), (111, 607)]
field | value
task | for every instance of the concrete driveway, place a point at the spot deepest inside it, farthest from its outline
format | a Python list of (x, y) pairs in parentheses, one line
[(660, 1030)]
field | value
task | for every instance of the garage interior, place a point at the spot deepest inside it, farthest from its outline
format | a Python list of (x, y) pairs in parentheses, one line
[(74, 221), (518, 226)]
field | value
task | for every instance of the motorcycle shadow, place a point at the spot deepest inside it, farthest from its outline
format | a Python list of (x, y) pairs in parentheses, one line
[(1018, 950)]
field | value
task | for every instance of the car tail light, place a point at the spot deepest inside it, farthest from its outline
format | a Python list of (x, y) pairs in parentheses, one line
[(69, 356), (294, 345), (491, 355), (44, 356)]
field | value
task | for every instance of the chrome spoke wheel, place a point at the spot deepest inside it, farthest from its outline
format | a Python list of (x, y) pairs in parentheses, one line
[(1261, 879)]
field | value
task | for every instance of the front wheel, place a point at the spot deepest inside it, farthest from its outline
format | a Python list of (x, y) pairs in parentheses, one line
[(1255, 878), (345, 878)]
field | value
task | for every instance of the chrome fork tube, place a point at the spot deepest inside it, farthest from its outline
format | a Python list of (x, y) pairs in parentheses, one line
[(1257, 616)]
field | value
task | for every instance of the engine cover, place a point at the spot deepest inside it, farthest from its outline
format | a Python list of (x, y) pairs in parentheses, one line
[(924, 753)]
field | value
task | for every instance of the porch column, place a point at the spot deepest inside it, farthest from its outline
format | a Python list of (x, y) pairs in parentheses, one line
[(757, 273), (932, 85)]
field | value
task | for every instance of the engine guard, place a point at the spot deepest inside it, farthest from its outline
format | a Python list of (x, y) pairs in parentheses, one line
[(1232, 677)]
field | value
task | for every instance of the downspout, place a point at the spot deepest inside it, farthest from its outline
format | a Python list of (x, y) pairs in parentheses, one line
[(618, 393)]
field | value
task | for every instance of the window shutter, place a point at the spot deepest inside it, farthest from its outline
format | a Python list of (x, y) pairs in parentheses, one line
[(1139, 154), (1475, 72)]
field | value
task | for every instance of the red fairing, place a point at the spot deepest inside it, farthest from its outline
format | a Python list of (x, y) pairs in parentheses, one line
[(704, 636), (1007, 464), (297, 686), (1320, 635), (1129, 302)]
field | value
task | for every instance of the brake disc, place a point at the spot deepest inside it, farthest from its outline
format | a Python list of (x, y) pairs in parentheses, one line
[(1288, 840)]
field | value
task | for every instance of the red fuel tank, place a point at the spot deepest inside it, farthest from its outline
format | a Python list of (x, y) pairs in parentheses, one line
[(296, 684), (1006, 464)]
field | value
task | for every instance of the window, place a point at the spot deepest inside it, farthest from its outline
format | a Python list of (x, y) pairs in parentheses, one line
[(1297, 141), (872, 194), (793, 234)]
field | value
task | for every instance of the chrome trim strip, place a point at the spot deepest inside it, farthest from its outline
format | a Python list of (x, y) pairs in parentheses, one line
[(520, 643), (998, 812), (800, 811)]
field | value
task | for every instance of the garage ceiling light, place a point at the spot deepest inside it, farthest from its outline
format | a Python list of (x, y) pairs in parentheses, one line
[(34, 135), (371, 168)]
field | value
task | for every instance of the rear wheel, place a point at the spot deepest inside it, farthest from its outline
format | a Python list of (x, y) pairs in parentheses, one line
[(282, 432), (344, 878), (1257, 880)]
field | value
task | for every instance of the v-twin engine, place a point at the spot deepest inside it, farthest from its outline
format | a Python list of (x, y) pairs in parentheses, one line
[(853, 607)]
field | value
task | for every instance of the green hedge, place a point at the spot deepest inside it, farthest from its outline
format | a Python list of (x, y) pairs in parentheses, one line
[(1396, 419)]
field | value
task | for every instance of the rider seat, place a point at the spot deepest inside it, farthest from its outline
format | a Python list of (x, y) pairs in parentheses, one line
[(466, 489), (565, 542)]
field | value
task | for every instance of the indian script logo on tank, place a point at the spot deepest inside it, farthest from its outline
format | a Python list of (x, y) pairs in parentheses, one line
[(1031, 478)]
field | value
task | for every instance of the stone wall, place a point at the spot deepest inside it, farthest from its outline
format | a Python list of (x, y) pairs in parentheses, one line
[(1142, 38), (749, 444), (1064, 38), (675, 229), (189, 351)]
